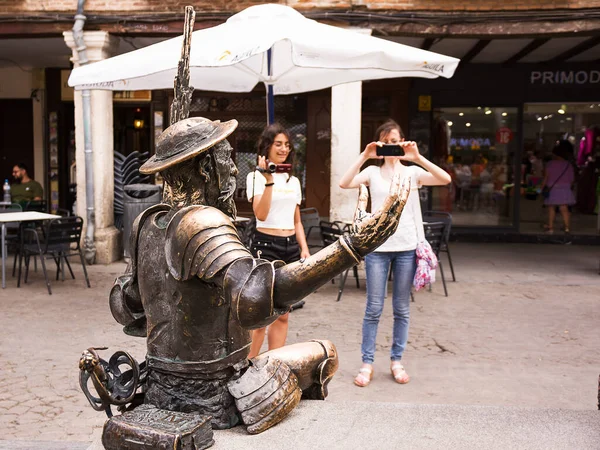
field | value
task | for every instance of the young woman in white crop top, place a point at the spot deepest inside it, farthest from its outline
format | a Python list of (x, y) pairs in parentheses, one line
[(279, 234), (398, 252)]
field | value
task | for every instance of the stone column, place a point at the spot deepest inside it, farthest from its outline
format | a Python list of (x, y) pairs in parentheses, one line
[(346, 124), (100, 45), (346, 101)]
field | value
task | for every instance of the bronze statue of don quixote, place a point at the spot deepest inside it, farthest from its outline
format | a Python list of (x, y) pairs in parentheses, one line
[(194, 292)]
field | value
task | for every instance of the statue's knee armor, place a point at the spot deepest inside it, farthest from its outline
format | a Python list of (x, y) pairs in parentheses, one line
[(265, 394), (314, 363)]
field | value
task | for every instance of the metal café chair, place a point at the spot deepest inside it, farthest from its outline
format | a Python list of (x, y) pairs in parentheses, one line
[(13, 232), (434, 233), (345, 226), (36, 205), (310, 222), (446, 217), (61, 239)]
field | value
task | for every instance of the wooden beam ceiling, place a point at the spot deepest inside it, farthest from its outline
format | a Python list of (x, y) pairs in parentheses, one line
[(579, 48), (427, 43), (475, 50), (532, 46)]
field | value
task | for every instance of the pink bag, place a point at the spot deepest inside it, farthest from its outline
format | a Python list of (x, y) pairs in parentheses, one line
[(426, 259), (426, 264)]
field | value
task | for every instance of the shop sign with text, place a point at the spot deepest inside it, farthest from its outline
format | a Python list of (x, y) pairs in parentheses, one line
[(470, 143), (564, 77)]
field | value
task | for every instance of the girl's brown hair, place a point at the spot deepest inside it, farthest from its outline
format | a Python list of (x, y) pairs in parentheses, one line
[(386, 128), (268, 137)]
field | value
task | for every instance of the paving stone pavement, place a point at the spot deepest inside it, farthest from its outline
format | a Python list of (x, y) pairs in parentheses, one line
[(520, 328)]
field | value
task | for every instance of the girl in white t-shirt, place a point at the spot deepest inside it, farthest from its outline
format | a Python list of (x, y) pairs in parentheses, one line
[(279, 234), (398, 252)]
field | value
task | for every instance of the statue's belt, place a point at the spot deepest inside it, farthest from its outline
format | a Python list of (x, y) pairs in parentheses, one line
[(178, 367)]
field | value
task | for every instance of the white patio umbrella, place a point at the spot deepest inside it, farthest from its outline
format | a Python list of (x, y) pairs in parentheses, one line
[(273, 44)]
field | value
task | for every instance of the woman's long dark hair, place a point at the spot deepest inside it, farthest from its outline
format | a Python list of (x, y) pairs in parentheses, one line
[(386, 128), (268, 137)]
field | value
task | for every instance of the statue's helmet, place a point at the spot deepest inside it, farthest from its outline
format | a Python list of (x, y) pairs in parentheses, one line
[(185, 140)]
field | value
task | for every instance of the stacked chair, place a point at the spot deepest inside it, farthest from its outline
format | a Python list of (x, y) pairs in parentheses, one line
[(127, 171)]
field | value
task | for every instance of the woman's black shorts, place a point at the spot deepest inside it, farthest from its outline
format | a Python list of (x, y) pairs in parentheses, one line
[(274, 248)]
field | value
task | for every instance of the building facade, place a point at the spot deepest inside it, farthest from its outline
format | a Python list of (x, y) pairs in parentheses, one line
[(521, 61)]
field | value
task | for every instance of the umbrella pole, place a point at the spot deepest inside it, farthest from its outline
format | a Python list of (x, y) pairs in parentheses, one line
[(270, 100), (270, 105)]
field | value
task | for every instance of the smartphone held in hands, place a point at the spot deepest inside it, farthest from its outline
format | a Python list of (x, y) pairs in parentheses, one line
[(390, 150)]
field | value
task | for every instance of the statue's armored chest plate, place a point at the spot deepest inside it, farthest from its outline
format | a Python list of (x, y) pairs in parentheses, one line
[(189, 320)]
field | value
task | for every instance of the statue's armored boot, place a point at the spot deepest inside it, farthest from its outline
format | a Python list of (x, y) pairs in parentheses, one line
[(276, 380)]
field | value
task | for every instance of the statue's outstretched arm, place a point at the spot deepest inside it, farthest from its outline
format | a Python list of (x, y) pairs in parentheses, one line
[(297, 280), (259, 291)]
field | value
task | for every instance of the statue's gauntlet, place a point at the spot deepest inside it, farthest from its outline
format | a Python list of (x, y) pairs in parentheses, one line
[(369, 231)]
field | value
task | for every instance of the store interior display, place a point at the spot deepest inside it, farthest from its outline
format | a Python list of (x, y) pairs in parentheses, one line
[(479, 147), (476, 145), (544, 125)]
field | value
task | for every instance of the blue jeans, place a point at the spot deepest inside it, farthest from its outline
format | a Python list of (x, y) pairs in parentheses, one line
[(378, 265)]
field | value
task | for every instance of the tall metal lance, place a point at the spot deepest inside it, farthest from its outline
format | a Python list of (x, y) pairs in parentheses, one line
[(182, 98), (180, 108), (89, 246)]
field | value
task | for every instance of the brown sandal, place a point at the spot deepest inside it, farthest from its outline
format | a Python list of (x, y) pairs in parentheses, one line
[(364, 377), (399, 374)]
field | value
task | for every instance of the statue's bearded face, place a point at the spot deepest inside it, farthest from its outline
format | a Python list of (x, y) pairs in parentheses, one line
[(208, 179), (219, 172), (225, 170)]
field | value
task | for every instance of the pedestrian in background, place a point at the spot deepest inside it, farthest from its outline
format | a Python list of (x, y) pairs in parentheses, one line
[(398, 252), (279, 234), (557, 187), (26, 189)]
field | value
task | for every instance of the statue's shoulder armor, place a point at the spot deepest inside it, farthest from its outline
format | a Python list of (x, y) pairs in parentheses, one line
[(201, 241)]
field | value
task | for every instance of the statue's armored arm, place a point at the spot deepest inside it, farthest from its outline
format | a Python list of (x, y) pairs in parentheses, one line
[(259, 291), (248, 284), (126, 305), (295, 281)]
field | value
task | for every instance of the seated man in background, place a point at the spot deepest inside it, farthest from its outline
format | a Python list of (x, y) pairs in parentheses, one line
[(26, 189)]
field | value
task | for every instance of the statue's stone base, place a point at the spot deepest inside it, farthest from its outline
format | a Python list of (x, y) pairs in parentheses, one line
[(365, 425)]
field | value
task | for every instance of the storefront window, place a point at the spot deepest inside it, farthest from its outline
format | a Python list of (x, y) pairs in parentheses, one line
[(545, 124), (477, 147)]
